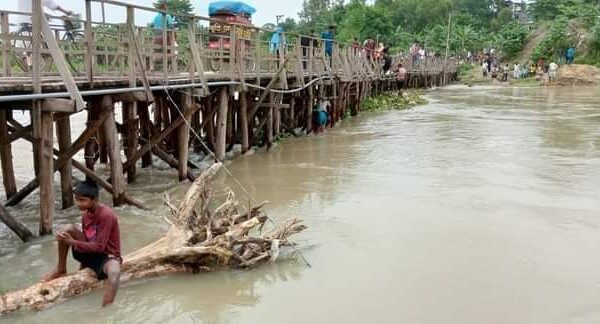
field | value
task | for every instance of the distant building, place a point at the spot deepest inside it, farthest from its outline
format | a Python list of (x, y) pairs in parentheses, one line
[(519, 10)]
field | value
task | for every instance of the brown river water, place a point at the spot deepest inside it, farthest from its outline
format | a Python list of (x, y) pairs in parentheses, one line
[(481, 207)]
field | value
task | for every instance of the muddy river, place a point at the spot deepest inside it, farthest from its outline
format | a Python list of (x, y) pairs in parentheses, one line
[(481, 207)]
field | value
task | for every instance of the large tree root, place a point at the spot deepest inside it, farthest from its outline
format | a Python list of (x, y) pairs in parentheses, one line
[(202, 238)]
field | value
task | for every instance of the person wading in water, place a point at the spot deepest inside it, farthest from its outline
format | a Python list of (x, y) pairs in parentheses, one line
[(96, 245)]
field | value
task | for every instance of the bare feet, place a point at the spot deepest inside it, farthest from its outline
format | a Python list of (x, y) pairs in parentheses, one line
[(53, 275), (109, 297)]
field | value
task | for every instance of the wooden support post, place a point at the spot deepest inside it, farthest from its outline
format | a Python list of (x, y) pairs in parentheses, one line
[(196, 126), (276, 115), (309, 111), (89, 44), (6, 48), (145, 130), (17, 227), (183, 137), (46, 173), (269, 126), (244, 122), (63, 133), (130, 135), (208, 120), (222, 124), (92, 146), (109, 129), (291, 120), (8, 172)]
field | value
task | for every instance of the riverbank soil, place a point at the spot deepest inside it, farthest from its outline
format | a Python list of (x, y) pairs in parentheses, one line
[(578, 74)]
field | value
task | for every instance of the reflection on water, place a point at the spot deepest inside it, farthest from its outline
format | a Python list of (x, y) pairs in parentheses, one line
[(481, 207)]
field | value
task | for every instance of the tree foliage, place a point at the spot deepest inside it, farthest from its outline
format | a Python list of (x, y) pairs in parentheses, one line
[(556, 42), (399, 23), (587, 10)]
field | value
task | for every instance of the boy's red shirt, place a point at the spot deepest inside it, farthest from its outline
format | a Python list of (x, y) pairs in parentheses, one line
[(101, 230)]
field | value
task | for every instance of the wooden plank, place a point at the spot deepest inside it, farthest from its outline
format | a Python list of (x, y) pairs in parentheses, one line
[(17, 227), (46, 174), (63, 133), (8, 172), (222, 123), (171, 161), (109, 129), (275, 105), (197, 58), (138, 58), (59, 105), (61, 64)]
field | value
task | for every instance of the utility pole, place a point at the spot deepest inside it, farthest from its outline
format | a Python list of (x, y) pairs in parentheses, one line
[(279, 17)]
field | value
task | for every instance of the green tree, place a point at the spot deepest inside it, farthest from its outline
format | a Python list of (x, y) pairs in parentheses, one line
[(511, 39)]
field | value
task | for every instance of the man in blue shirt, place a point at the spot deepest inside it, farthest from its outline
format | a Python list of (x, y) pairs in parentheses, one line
[(328, 39), (570, 55), (159, 23)]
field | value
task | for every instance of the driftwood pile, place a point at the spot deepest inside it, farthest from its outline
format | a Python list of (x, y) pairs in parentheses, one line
[(205, 235)]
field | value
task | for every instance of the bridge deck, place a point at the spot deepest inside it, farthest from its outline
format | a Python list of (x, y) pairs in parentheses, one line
[(97, 54)]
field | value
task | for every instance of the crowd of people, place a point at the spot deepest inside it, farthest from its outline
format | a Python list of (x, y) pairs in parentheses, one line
[(543, 70)]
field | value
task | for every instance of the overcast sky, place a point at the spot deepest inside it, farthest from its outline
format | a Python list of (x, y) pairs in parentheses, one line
[(266, 10)]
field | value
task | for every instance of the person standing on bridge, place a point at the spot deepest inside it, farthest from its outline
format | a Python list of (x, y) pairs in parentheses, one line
[(96, 244), (161, 22), (327, 37), (305, 42), (277, 44)]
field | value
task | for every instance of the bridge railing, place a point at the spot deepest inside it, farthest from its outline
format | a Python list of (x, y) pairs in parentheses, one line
[(98, 50)]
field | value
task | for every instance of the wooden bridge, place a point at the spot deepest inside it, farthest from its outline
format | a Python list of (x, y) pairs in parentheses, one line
[(213, 79)]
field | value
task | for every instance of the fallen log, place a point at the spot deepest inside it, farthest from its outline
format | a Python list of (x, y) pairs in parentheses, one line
[(201, 238)]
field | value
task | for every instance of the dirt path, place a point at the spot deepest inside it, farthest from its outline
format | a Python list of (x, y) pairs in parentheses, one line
[(531, 43)]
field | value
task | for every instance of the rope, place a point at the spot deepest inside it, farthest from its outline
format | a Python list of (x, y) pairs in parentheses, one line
[(236, 180)]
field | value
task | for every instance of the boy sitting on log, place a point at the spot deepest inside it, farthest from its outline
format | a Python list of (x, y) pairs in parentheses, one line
[(96, 245)]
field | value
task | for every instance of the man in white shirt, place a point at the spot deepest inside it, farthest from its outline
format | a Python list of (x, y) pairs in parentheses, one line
[(25, 6), (553, 67)]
